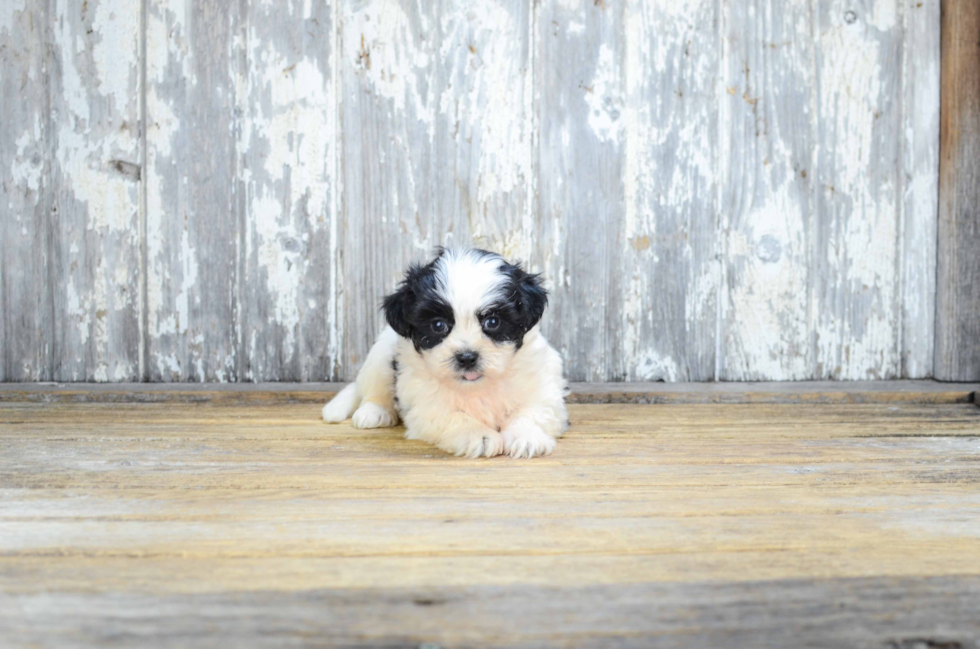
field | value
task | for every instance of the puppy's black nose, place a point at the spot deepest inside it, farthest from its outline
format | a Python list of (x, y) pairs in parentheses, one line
[(466, 360)]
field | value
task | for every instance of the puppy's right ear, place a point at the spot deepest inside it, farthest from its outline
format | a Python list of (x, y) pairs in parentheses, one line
[(397, 304), (396, 308)]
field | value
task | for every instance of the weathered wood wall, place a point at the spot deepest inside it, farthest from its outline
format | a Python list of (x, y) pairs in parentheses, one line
[(715, 189)]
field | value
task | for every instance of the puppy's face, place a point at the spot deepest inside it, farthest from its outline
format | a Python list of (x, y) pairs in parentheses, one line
[(466, 312)]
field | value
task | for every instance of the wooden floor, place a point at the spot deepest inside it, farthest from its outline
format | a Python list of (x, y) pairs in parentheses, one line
[(678, 525)]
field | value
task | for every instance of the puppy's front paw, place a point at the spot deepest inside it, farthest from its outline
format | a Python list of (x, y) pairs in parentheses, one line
[(474, 444), (371, 415), (523, 439), (335, 412)]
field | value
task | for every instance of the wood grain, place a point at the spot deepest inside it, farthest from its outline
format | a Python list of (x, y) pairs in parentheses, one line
[(669, 253), (580, 158), (920, 194), (900, 613), (194, 196), (734, 525), (288, 143), (767, 211), (854, 243), (71, 184), (958, 274), (26, 326)]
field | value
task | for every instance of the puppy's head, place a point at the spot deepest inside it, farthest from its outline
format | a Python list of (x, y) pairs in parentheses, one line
[(466, 312)]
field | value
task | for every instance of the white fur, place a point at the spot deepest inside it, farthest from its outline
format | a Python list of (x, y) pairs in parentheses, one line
[(517, 407), (342, 405)]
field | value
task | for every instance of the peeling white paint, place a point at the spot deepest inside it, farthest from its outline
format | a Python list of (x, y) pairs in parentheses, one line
[(767, 328), (604, 95), (861, 341), (28, 164), (293, 124), (379, 42), (884, 14), (188, 282), (650, 367), (8, 14), (117, 24)]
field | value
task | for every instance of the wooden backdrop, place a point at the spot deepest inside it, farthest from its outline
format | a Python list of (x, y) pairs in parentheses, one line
[(714, 189)]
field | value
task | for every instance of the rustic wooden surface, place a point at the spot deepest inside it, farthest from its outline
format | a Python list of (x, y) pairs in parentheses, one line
[(674, 525), (741, 190), (811, 392), (958, 274)]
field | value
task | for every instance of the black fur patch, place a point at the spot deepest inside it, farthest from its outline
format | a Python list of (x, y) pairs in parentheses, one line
[(522, 307), (416, 306)]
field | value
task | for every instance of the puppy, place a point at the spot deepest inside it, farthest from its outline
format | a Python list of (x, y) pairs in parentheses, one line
[(462, 362)]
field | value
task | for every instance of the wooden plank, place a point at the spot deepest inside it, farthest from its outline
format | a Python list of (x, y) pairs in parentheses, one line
[(194, 190), (684, 525), (856, 269), (71, 260), (919, 183), (288, 145), (958, 276), (580, 155), (910, 392), (768, 121), (26, 323), (904, 613), (669, 242), (95, 259), (436, 143)]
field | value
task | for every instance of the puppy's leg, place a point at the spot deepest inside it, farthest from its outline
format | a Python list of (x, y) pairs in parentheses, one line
[(342, 405), (454, 432), (369, 401), (532, 431), (376, 384)]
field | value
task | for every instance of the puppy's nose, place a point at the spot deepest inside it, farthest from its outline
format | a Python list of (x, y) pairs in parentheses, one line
[(466, 360)]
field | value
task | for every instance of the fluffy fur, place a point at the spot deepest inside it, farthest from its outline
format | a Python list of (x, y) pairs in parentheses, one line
[(462, 362)]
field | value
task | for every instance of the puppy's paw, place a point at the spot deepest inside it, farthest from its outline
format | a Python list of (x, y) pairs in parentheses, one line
[(335, 412), (523, 439), (474, 444), (371, 415)]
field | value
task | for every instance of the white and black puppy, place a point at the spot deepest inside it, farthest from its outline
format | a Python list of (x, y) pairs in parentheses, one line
[(462, 362)]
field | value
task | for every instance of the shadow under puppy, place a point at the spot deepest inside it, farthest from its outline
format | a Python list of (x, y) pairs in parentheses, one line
[(462, 362)]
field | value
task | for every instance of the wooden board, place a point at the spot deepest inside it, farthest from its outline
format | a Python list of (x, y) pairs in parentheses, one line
[(826, 392), (899, 613), (958, 275), (713, 191), (70, 203), (580, 164), (684, 525), (25, 199), (288, 142), (194, 201)]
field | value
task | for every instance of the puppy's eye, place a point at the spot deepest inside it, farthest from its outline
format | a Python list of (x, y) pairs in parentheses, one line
[(492, 323), (439, 326)]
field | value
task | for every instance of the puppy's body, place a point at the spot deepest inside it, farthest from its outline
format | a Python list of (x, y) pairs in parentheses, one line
[(462, 362)]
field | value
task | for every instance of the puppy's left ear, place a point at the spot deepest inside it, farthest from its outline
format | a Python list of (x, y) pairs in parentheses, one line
[(532, 298)]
